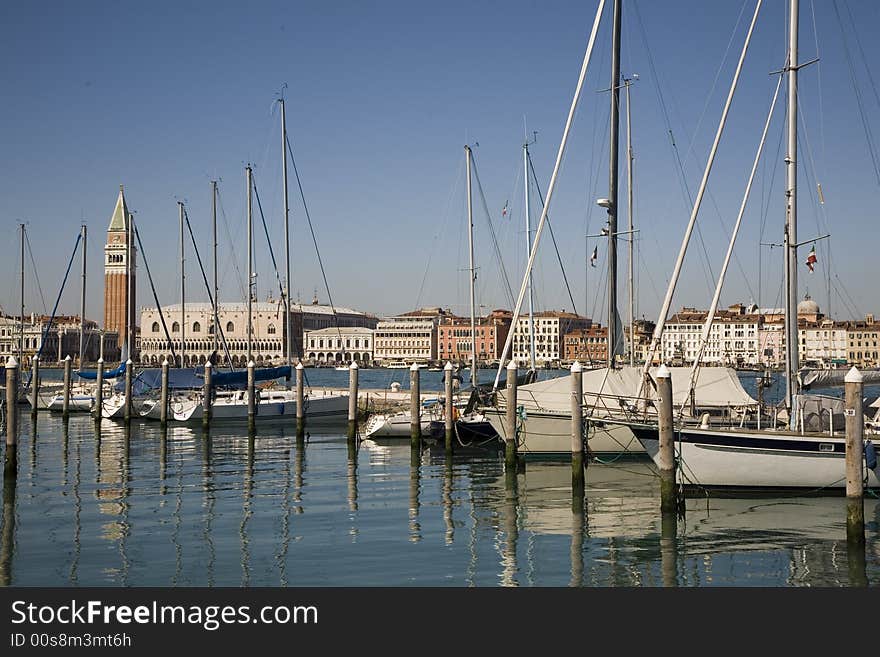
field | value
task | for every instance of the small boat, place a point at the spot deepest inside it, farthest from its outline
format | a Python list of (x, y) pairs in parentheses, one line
[(397, 366), (342, 368), (399, 425), (81, 403), (272, 405)]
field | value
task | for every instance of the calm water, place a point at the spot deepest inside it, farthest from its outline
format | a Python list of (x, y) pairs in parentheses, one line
[(121, 508)]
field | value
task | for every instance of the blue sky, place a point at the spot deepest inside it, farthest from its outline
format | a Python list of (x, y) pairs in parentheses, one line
[(381, 97)]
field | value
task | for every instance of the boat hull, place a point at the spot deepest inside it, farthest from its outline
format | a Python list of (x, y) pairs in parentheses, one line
[(756, 460), (548, 433), (324, 410)]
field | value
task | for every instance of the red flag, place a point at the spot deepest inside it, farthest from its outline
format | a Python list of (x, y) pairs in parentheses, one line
[(504, 210), (594, 256), (811, 259)]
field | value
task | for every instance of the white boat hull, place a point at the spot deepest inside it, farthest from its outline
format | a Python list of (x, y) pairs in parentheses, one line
[(329, 409), (548, 433), (394, 425), (754, 459)]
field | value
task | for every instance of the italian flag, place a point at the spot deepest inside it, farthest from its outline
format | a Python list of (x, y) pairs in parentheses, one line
[(811, 259)]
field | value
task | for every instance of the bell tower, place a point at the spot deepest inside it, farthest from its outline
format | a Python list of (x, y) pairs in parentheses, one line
[(119, 277)]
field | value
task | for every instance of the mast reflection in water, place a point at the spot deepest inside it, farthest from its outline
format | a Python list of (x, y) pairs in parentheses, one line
[(141, 508)]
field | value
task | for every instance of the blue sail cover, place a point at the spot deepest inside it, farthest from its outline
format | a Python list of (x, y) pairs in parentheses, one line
[(240, 378), (111, 374)]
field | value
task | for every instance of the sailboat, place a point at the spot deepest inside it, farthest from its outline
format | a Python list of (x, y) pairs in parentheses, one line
[(792, 457), (610, 391), (270, 404)]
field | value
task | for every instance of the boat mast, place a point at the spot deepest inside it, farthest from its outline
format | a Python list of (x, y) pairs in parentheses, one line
[(82, 301), (288, 328), (473, 276), (528, 251), (612, 185), (214, 226), (182, 291), (629, 192), (21, 323), (791, 323), (128, 288), (250, 263)]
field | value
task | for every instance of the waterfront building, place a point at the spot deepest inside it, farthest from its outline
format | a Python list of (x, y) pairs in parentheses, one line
[(771, 340), (732, 342), (863, 342), (454, 337), (550, 327), (587, 345), (53, 343), (410, 337), (116, 282), (337, 345), (268, 334)]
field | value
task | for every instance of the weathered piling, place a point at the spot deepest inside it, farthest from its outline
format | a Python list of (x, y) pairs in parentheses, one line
[(300, 401), (666, 458), (207, 394), (510, 424), (449, 422), (65, 406), (163, 394), (669, 548), (11, 404), (855, 428), (128, 365), (577, 430), (415, 405), (352, 400), (35, 386), (251, 395), (7, 539), (99, 390)]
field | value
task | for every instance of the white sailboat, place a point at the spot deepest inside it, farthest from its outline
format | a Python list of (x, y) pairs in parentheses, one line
[(793, 457)]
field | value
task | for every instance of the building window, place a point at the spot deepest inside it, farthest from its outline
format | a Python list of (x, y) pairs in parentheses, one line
[(230, 327), (175, 328), (197, 328), (271, 329), (155, 327)]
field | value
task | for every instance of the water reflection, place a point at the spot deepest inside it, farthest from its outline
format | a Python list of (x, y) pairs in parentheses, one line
[(101, 505), (7, 534)]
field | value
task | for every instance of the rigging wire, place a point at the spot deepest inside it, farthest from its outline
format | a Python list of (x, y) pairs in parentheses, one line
[(231, 242), (27, 241), (155, 295), (505, 279), (552, 236), (217, 328)]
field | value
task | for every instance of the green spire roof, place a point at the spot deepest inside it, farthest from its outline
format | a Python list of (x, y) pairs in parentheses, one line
[(119, 220)]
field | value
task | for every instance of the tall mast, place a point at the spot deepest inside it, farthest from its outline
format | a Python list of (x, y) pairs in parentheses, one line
[(468, 155), (612, 185), (21, 323), (528, 252), (288, 328), (629, 192), (182, 291), (250, 263), (791, 322), (82, 301), (128, 305), (214, 227)]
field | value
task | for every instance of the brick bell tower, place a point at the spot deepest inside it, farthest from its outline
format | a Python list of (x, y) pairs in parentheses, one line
[(119, 247)]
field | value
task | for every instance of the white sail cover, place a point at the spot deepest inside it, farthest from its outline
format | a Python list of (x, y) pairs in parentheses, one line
[(716, 387), (811, 378)]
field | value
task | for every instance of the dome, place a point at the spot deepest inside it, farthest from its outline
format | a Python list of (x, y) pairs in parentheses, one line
[(808, 306)]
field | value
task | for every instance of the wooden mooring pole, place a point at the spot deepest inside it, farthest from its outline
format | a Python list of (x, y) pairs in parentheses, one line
[(208, 395), (510, 418), (251, 396), (128, 365), (300, 401), (577, 430), (415, 406), (855, 457), (449, 422), (666, 458), (11, 404), (65, 406), (99, 391), (163, 394), (352, 400), (35, 386)]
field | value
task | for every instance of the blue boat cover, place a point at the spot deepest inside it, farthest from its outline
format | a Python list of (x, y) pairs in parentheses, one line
[(110, 374)]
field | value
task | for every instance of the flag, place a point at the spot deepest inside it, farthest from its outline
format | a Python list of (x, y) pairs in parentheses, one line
[(504, 209), (811, 259), (594, 256)]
